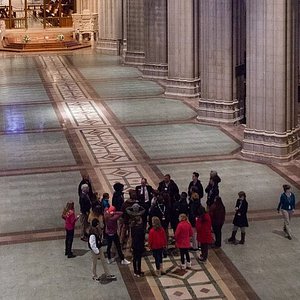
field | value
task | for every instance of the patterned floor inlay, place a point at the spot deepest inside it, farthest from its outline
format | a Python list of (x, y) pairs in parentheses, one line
[(86, 114), (196, 283), (105, 145)]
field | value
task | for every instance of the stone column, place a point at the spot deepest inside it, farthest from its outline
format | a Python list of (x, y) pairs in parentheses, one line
[(183, 49), (110, 26), (272, 131), (156, 39), (135, 53), (218, 102), (124, 29), (91, 5)]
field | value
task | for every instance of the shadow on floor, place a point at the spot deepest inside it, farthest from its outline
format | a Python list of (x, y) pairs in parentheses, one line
[(80, 252)]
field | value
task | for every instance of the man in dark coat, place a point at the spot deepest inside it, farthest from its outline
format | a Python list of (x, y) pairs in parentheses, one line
[(169, 186), (85, 206), (118, 196), (144, 193), (195, 186), (86, 180)]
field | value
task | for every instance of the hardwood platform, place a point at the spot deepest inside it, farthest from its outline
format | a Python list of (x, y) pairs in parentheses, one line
[(43, 46)]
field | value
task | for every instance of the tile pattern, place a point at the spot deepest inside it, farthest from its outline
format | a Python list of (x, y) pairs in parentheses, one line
[(196, 283), (104, 145), (86, 114)]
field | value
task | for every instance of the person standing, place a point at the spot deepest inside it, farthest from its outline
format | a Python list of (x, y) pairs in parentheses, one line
[(70, 219), (97, 252), (118, 196), (111, 217), (240, 218), (86, 180), (85, 206), (194, 206), (217, 214), (287, 207), (169, 186), (157, 241), (138, 244), (182, 236), (212, 188), (204, 236), (144, 193), (195, 186)]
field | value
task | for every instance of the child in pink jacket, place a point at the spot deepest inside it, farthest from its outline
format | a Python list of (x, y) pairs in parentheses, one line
[(70, 219)]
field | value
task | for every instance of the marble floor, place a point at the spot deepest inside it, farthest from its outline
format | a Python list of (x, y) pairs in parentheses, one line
[(62, 115)]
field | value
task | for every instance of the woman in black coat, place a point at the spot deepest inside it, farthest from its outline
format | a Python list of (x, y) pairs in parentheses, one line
[(240, 218), (138, 245)]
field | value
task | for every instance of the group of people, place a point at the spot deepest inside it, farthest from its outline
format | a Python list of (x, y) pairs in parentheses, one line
[(156, 212)]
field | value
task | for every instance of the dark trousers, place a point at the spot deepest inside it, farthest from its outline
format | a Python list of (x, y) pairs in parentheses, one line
[(114, 238), (137, 261), (218, 234), (204, 251), (69, 241), (158, 256), (184, 254)]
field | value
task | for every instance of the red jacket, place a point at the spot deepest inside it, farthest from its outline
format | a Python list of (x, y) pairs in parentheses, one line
[(182, 234), (157, 238), (203, 227)]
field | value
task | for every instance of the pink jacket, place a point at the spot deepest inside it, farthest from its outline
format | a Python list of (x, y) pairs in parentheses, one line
[(70, 220), (182, 234), (111, 222)]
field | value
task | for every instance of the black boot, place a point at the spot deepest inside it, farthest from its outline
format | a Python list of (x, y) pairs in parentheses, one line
[(232, 238), (242, 241)]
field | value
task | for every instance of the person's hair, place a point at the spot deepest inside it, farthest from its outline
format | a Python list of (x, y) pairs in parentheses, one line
[(286, 187), (183, 195), (168, 175), (105, 195), (156, 223), (97, 210), (195, 196), (242, 194), (201, 211), (84, 187), (183, 217), (69, 205), (93, 229), (145, 179), (196, 174)]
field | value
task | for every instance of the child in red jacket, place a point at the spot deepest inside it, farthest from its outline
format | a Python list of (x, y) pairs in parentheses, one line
[(204, 236), (182, 236), (70, 219), (157, 241)]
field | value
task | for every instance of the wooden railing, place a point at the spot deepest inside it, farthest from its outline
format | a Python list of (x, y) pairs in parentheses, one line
[(20, 23)]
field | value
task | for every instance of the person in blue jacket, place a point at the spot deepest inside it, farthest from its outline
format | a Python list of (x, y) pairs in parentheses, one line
[(287, 207)]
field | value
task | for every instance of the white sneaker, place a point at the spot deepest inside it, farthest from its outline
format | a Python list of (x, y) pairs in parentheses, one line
[(189, 264), (125, 262), (183, 266)]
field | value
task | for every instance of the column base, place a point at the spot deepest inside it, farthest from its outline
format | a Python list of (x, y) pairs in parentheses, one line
[(181, 88), (134, 58), (110, 47), (271, 147), (218, 111), (156, 71)]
